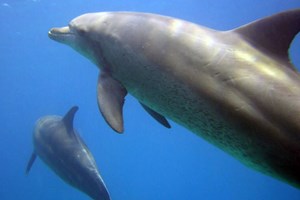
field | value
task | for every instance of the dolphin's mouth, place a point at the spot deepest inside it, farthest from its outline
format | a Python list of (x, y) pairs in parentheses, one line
[(62, 34)]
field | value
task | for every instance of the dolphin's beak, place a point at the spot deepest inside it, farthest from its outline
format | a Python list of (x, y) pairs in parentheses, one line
[(62, 34)]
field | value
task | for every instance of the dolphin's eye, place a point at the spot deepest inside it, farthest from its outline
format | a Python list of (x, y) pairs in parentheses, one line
[(81, 32)]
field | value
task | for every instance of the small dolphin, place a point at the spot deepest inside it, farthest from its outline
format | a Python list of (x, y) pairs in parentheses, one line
[(237, 89), (58, 144)]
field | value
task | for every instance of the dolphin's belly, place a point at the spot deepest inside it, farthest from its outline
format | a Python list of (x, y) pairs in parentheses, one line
[(181, 103)]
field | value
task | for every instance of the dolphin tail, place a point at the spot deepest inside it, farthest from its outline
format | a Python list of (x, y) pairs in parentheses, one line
[(30, 162), (275, 34)]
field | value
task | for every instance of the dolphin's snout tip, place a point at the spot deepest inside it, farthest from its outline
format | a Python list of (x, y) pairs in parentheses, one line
[(50, 33), (62, 30), (59, 34)]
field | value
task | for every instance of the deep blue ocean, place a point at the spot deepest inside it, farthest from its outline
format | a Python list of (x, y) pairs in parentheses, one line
[(148, 162)]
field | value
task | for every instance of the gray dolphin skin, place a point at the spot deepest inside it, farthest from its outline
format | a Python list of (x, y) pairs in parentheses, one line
[(59, 145), (236, 89)]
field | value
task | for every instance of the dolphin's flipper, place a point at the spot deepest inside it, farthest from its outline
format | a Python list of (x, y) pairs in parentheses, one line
[(30, 162), (275, 33), (69, 118), (111, 97), (158, 117)]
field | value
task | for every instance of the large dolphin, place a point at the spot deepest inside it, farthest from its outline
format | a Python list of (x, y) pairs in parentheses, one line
[(58, 144), (237, 89)]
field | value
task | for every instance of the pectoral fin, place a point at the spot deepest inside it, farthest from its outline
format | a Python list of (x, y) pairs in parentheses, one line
[(158, 117), (111, 97), (30, 162)]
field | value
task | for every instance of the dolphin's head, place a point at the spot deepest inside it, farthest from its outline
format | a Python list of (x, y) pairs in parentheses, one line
[(84, 34)]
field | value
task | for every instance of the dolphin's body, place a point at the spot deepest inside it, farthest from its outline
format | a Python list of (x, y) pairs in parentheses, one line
[(237, 89), (57, 143)]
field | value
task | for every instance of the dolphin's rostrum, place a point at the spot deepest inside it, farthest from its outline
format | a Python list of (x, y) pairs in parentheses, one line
[(59, 145), (237, 89)]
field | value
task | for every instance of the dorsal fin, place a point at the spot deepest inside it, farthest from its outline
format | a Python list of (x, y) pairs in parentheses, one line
[(273, 34), (69, 118)]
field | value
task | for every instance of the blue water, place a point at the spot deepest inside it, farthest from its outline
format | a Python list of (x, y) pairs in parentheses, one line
[(39, 77)]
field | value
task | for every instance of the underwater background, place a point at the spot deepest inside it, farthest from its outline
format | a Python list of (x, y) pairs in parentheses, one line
[(40, 77)]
